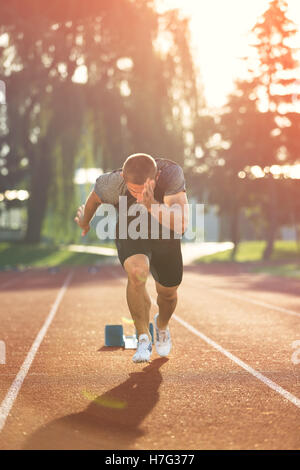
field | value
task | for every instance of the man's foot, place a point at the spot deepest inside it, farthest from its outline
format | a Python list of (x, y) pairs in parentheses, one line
[(163, 343), (144, 349)]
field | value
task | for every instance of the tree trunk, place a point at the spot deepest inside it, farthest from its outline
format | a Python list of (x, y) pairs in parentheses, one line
[(272, 223), (297, 230), (37, 204), (235, 232)]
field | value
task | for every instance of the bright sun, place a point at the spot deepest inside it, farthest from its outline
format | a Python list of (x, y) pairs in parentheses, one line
[(220, 37)]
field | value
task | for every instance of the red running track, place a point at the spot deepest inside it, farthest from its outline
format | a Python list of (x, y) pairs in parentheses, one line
[(232, 380)]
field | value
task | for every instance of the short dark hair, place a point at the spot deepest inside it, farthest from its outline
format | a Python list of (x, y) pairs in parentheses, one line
[(138, 167)]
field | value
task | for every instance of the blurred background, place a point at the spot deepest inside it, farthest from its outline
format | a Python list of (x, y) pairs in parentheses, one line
[(213, 85)]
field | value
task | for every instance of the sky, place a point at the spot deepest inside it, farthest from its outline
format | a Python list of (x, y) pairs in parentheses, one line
[(220, 36)]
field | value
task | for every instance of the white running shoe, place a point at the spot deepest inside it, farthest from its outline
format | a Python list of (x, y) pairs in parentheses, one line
[(144, 349), (163, 343)]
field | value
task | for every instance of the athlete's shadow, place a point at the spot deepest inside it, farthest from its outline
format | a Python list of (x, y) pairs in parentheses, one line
[(112, 421)]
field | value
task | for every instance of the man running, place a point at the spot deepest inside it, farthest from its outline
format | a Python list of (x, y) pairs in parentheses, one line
[(159, 186)]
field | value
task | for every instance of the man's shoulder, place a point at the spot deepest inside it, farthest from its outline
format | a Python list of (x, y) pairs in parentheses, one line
[(109, 186), (171, 178), (166, 164), (112, 175), (111, 178)]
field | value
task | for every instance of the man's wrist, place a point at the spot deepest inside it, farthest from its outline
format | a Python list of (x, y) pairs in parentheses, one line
[(154, 207), (85, 223)]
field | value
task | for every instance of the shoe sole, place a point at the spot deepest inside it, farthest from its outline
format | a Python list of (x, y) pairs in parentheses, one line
[(141, 360)]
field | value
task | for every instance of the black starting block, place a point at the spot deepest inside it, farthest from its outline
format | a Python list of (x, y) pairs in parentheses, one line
[(115, 337)]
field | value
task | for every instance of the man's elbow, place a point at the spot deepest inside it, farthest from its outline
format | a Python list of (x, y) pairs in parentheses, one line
[(185, 219), (181, 225), (185, 225)]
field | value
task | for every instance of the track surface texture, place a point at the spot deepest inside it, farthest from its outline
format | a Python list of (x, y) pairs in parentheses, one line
[(232, 380)]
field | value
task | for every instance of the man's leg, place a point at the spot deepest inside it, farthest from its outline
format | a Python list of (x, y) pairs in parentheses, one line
[(139, 303), (166, 301)]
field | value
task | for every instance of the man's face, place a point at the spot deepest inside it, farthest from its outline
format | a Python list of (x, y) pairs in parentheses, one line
[(136, 190)]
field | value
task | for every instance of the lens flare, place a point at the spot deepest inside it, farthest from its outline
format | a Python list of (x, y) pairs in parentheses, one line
[(128, 321), (106, 402)]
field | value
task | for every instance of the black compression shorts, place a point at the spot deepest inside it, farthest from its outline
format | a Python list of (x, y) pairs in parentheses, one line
[(164, 256)]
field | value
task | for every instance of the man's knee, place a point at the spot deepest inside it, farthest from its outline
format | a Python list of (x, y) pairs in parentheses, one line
[(137, 268), (167, 293)]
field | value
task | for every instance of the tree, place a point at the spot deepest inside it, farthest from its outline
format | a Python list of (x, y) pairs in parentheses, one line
[(274, 75), (255, 131), (235, 141), (121, 109)]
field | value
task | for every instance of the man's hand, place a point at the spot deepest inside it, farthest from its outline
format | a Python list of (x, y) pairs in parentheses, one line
[(148, 194), (79, 219)]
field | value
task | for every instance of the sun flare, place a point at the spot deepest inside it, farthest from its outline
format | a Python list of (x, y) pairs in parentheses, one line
[(220, 38)]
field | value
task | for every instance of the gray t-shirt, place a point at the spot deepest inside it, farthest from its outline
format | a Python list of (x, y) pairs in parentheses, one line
[(110, 186)]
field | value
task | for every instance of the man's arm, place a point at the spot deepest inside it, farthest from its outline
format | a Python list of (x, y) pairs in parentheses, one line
[(173, 213), (86, 212), (178, 204)]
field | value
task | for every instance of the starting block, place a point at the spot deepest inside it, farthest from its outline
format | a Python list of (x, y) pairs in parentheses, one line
[(115, 337)]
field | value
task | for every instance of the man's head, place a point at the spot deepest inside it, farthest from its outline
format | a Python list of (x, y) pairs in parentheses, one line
[(136, 169)]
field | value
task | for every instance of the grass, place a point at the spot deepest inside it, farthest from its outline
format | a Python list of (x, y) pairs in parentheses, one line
[(20, 255), (285, 260)]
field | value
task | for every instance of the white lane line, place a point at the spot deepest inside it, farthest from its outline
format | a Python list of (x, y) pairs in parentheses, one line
[(255, 373), (258, 302), (258, 375), (247, 299), (12, 393), (254, 302)]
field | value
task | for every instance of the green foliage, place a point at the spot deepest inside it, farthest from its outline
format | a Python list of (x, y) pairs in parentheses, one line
[(252, 251), (43, 256), (258, 128), (57, 123)]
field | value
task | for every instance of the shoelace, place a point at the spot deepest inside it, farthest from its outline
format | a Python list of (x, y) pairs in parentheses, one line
[(143, 344), (163, 336)]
